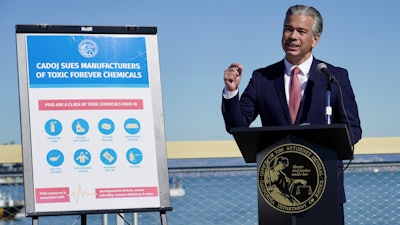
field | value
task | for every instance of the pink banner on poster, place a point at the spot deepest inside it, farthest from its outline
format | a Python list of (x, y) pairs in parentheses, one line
[(91, 104), (127, 192), (52, 195)]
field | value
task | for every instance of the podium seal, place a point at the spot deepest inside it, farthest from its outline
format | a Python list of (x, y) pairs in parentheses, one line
[(291, 178)]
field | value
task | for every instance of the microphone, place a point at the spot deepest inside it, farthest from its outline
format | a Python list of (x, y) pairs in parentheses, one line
[(322, 68)]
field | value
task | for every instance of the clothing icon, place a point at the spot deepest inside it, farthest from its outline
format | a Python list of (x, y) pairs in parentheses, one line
[(80, 126), (82, 157)]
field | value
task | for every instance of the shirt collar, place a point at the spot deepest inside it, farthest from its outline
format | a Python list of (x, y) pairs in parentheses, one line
[(304, 67)]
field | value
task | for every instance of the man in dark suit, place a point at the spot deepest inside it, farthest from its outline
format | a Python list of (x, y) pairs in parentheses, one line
[(268, 92)]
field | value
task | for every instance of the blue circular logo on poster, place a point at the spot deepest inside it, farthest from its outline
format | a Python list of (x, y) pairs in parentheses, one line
[(132, 126), (53, 127), (106, 126), (82, 157), (108, 156), (80, 126), (55, 157), (88, 48), (134, 156)]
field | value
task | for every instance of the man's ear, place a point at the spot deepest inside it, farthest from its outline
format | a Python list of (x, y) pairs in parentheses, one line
[(316, 40)]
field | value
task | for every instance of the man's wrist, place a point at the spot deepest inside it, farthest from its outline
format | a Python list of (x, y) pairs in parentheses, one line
[(229, 94)]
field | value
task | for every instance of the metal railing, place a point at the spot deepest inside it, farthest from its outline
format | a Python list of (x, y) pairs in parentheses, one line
[(228, 195)]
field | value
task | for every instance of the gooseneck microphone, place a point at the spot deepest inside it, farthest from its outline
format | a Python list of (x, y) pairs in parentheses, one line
[(322, 68)]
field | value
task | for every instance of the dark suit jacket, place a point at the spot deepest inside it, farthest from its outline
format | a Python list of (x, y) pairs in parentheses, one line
[(265, 97)]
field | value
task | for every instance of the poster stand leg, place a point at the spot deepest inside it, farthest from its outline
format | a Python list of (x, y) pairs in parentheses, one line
[(163, 217), (83, 219), (135, 219), (120, 219), (105, 219), (35, 220)]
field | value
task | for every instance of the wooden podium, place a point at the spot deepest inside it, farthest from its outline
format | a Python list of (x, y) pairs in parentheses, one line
[(265, 145)]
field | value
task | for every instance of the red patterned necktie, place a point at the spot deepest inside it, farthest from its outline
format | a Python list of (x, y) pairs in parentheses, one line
[(294, 94)]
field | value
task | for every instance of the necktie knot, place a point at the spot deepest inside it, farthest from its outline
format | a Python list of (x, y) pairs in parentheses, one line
[(294, 94), (296, 71)]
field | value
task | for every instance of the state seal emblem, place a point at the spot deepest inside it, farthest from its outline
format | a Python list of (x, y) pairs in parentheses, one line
[(88, 48), (291, 178)]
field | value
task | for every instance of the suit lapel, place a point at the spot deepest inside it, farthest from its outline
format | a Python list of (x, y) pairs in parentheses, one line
[(308, 93), (313, 79), (280, 88)]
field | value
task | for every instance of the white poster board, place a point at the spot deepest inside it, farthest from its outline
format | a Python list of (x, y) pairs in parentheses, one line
[(91, 119)]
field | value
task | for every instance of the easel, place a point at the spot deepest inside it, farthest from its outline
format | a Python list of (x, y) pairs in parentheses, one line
[(138, 64)]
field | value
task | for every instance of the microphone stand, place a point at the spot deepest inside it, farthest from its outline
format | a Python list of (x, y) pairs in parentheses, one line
[(328, 109)]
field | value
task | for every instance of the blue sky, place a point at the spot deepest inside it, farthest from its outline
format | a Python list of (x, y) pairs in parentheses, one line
[(199, 39)]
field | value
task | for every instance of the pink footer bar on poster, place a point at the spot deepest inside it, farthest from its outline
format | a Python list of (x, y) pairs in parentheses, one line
[(52, 195), (91, 104), (126, 192)]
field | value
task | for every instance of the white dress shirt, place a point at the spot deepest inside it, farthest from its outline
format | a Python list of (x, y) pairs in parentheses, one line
[(303, 76)]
